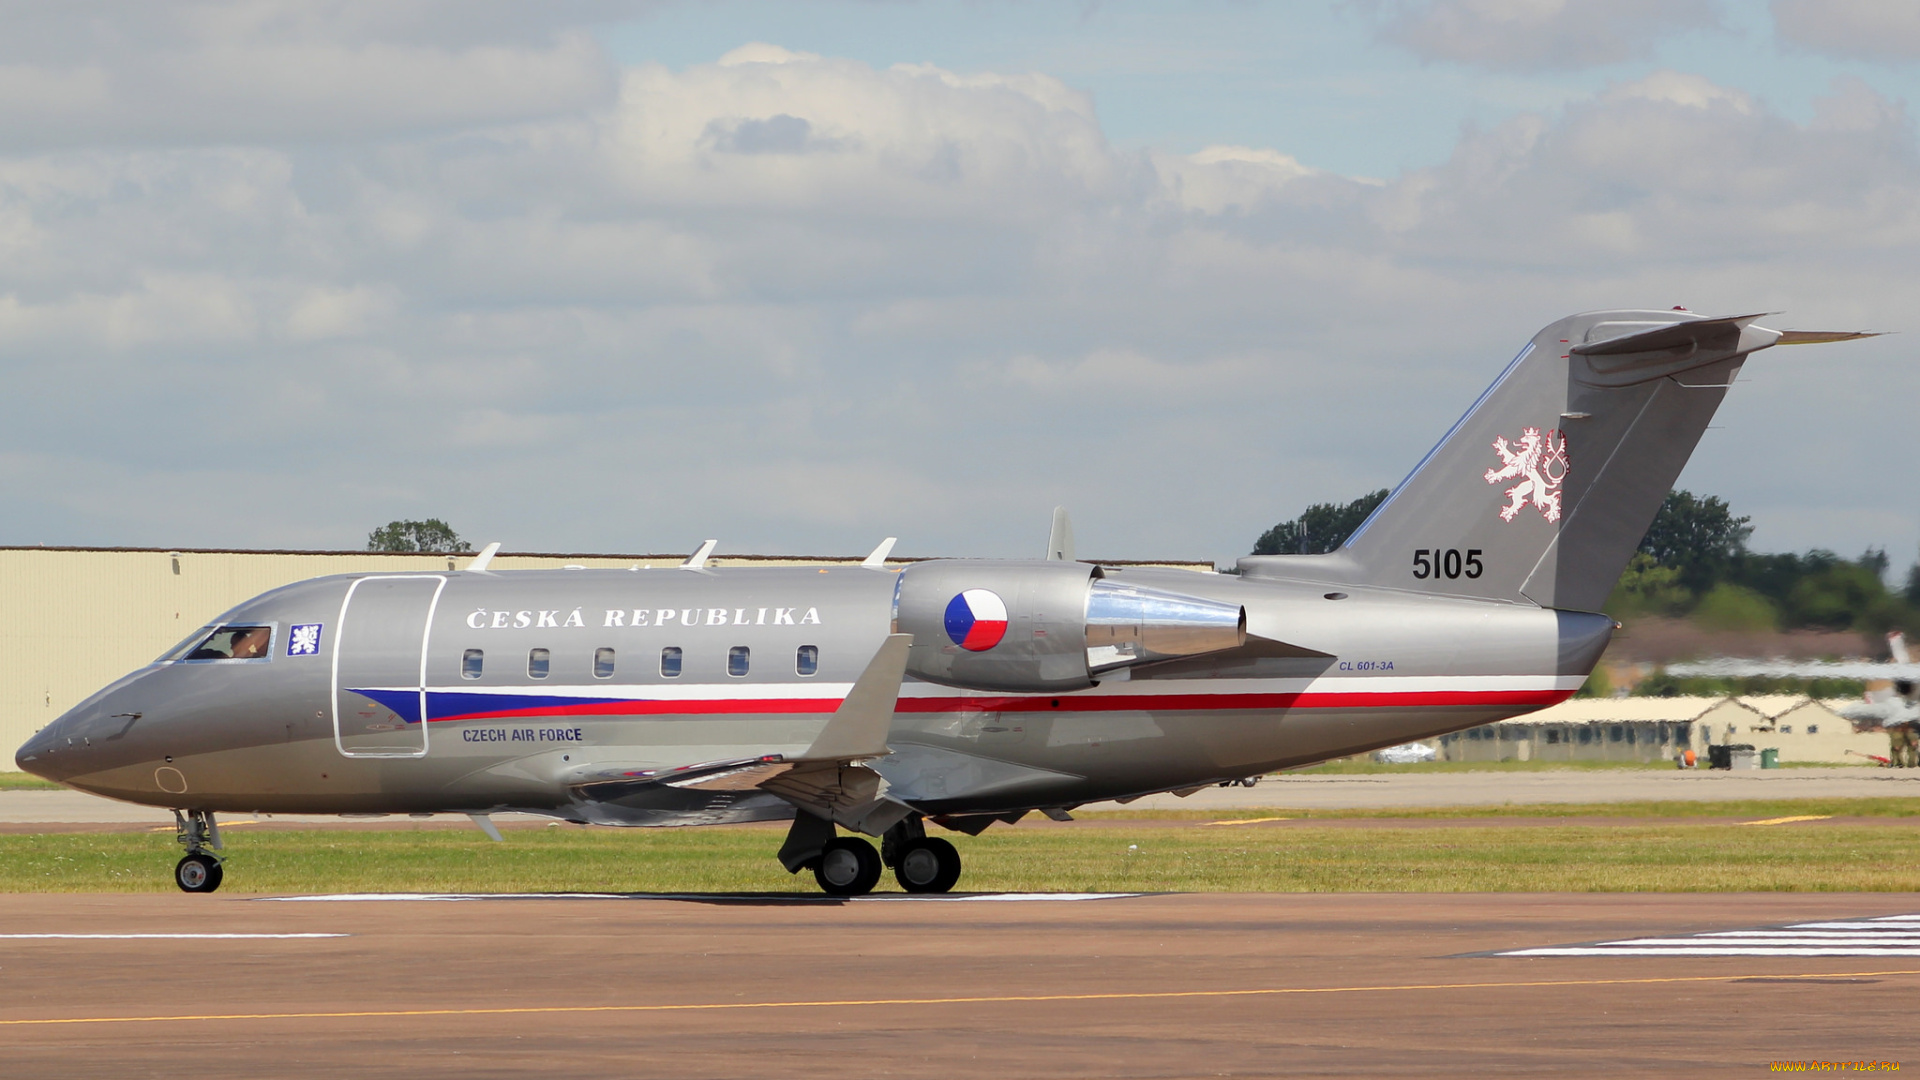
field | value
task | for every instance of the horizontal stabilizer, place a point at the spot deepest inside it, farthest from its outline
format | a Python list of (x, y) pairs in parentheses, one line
[(1693, 334), (1821, 337)]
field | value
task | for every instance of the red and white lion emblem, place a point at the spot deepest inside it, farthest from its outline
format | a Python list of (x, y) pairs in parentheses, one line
[(1540, 461)]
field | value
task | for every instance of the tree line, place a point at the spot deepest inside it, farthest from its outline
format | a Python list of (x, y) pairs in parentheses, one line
[(1693, 563)]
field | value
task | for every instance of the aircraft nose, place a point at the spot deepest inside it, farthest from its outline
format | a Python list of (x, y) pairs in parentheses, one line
[(36, 754), (81, 740)]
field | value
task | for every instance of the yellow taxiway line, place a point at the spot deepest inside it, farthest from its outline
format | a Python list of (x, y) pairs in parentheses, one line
[(985, 999)]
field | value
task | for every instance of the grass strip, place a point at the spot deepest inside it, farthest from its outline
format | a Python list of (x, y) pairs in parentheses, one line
[(1551, 858), (21, 781)]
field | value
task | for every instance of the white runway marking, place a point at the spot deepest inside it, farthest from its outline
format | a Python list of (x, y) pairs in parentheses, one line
[(158, 936), (1893, 935), (753, 897)]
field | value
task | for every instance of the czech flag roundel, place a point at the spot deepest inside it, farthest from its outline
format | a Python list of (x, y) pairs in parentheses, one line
[(976, 620)]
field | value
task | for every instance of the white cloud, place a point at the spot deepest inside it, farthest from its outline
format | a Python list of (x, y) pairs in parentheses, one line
[(219, 71), (1851, 29), (1537, 35), (801, 302)]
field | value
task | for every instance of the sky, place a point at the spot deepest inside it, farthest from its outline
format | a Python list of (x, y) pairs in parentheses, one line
[(596, 275)]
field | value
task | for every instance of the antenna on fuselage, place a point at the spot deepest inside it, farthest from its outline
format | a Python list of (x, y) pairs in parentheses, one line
[(877, 560), (698, 560), (480, 561)]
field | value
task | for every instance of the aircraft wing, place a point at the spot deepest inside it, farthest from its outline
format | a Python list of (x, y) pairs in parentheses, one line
[(830, 779)]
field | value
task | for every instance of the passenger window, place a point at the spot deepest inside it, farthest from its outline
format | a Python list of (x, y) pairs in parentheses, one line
[(807, 660), (537, 661), (603, 663), (471, 662), (737, 659), (670, 662), (233, 643)]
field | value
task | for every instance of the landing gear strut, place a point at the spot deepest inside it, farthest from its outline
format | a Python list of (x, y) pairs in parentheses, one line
[(197, 871), (848, 865)]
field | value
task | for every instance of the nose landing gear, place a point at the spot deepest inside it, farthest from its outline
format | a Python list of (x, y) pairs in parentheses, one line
[(197, 871)]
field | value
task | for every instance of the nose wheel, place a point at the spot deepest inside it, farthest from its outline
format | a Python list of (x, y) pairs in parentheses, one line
[(197, 871)]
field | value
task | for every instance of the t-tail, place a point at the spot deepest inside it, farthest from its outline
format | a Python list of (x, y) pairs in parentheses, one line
[(1543, 490)]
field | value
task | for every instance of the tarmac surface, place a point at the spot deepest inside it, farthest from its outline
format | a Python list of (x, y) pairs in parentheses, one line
[(1139, 986)]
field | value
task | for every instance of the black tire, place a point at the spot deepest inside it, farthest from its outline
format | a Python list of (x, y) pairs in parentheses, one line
[(927, 865), (847, 867), (197, 873)]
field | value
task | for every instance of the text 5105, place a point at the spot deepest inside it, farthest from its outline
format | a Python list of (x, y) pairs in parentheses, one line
[(1447, 563)]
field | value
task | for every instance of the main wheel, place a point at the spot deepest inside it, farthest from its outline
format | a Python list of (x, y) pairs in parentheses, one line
[(197, 872), (847, 867), (927, 865)]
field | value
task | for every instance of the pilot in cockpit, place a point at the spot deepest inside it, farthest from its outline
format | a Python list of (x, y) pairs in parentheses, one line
[(234, 643), (251, 643)]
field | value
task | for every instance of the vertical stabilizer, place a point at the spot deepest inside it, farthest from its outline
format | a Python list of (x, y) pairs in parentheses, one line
[(1542, 491)]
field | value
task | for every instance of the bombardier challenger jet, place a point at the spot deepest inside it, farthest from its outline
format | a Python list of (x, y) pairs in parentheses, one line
[(966, 692)]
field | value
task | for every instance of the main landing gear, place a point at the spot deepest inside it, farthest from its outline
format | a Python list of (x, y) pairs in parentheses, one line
[(849, 865), (197, 871)]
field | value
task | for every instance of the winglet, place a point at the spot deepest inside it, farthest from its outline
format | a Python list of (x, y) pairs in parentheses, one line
[(859, 727), (480, 561), (1897, 646), (698, 559), (1060, 540), (877, 559)]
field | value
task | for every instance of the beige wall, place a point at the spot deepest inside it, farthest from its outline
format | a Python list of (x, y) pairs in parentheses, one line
[(73, 620), (1834, 742)]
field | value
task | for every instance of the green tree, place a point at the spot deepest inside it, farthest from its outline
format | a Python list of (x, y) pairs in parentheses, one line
[(1838, 594), (432, 535), (1697, 536), (1648, 588), (1321, 528), (1735, 607)]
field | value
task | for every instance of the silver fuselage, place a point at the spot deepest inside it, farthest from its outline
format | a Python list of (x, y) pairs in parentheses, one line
[(391, 712)]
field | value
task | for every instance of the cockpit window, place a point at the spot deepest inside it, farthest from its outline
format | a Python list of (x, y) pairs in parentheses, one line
[(180, 651), (227, 643)]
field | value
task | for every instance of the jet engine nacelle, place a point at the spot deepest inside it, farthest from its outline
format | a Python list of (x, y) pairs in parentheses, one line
[(1046, 627)]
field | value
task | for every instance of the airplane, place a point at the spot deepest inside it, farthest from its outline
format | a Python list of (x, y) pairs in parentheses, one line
[(1893, 706), (876, 698)]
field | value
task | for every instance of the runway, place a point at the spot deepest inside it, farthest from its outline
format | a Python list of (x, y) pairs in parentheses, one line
[(1118, 986)]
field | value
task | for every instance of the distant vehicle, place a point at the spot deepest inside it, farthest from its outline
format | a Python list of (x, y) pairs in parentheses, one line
[(964, 692), (1406, 754)]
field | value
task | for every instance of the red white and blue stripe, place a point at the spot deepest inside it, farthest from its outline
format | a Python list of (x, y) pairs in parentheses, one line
[(1515, 693)]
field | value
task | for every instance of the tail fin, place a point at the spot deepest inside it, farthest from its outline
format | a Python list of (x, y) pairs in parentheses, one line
[(1545, 487)]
